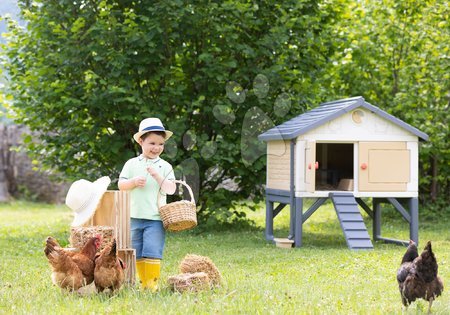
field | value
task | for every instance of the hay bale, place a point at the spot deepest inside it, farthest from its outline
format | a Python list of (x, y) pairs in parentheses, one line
[(196, 263), (80, 235), (192, 282)]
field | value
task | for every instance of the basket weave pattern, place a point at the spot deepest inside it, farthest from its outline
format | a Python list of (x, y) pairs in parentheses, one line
[(179, 215)]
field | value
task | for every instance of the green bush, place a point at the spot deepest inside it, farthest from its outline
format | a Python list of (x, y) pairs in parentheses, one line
[(216, 73)]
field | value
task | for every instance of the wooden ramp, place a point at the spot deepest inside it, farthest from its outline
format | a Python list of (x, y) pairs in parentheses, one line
[(352, 223)]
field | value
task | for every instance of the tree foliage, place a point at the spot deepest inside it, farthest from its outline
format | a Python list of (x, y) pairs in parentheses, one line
[(397, 55), (84, 73)]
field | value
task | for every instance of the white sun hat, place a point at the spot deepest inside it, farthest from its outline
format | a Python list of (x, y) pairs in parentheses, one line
[(84, 197), (151, 124)]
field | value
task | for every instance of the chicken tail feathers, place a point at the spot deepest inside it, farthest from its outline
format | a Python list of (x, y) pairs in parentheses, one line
[(113, 248), (123, 265), (50, 245), (55, 254), (55, 257), (427, 267), (411, 252), (428, 246)]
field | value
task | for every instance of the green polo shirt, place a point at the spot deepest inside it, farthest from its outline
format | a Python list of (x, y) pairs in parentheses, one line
[(143, 204)]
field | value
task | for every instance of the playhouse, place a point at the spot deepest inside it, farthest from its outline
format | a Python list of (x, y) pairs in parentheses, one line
[(344, 150)]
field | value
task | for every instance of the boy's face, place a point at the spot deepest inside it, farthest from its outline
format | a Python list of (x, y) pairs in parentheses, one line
[(152, 145)]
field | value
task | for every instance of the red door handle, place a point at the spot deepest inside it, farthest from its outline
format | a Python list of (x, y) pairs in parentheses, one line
[(363, 166), (317, 165)]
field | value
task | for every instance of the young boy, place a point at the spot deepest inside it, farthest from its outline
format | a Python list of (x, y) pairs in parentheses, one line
[(145, 177)]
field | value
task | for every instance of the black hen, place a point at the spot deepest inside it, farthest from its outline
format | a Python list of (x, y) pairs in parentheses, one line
[(407, 263), (417, 276)]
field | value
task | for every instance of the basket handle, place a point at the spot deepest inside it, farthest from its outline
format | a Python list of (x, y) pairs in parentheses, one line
[(176, 181)]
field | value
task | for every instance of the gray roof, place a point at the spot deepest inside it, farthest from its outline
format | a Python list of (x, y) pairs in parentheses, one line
[(328, 111)]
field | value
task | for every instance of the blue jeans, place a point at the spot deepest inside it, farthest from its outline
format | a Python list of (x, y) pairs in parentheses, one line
[(147, 238)]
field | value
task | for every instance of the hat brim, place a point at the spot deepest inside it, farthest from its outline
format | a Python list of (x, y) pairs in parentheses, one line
[(139, 134), (83, 217)]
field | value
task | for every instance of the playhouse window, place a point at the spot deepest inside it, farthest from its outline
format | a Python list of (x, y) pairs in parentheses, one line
[(335, 163)]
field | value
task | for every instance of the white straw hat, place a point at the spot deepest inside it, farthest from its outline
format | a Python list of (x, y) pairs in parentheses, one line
[(151, 124), (84, 197)]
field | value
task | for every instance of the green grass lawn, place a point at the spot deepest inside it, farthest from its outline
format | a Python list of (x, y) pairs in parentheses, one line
[(322, 277)]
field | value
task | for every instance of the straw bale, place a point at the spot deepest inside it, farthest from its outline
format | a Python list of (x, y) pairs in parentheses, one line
[(80, 235), (192, 282), (196, 263)]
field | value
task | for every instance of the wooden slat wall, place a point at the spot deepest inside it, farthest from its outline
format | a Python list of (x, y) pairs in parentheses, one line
[(129, 257), (105, 213), (114, 211), (122, 205), (278, 165)]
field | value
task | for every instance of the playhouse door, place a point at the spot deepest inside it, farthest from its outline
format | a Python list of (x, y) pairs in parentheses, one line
[(310, 166), (383, 166)]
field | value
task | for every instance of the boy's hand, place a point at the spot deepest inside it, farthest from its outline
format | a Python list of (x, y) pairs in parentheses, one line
[(139, 181), (151, 171)]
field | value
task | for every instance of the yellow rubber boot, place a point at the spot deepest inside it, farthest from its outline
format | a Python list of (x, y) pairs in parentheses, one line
[(140, 267), (152, 273)]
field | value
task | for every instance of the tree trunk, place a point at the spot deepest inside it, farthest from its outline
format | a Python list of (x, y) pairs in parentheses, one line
[(4, 195), (4, 191), (434, 175)]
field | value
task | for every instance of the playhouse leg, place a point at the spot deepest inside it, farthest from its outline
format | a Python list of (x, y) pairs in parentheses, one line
[(376, 219), (298, 222), (292, 219), (269, 220), (414, 223)]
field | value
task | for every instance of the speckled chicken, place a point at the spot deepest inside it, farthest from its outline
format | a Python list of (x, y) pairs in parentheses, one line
[(417, 276), (109, 269)]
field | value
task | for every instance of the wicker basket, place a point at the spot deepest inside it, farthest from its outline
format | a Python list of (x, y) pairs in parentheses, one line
[(179, 215)]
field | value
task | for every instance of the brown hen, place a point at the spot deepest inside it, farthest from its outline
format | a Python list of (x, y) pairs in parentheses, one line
[(109, 269), (72, 270)]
